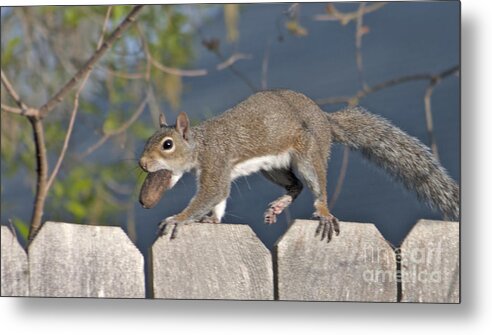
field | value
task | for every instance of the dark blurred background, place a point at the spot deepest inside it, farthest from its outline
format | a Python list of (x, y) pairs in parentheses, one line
[(310, 48)]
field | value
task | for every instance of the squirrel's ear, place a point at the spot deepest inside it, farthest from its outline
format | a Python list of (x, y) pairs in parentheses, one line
[(183, 125), (162, 120)]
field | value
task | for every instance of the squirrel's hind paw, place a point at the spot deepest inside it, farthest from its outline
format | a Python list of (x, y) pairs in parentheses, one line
[(277, 207), (327, 225)]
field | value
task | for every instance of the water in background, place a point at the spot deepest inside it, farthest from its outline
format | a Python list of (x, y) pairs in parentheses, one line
[(404, 38)]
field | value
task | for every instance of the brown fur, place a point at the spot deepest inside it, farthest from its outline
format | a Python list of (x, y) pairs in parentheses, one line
[(277, 121)]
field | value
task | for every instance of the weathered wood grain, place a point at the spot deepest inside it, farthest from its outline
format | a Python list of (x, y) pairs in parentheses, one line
[(212, 261), (14, 273), (71, 260), (358, 265), (430, 263)]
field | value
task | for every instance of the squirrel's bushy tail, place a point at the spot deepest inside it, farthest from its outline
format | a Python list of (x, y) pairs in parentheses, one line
[(403, 156)]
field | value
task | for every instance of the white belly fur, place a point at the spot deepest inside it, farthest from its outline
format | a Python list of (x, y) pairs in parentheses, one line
[(256, 164)]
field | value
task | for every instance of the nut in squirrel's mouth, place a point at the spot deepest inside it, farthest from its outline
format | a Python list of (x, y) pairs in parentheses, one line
[(154, 187)]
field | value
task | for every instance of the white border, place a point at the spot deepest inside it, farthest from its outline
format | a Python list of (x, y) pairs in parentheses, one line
[(83, 316)]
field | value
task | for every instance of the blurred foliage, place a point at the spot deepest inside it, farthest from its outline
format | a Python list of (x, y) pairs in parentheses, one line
[(293, 26), (21, 227), (41, 48), (231, 17)]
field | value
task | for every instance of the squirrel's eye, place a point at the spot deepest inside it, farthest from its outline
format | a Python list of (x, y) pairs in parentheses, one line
[(167, 145)]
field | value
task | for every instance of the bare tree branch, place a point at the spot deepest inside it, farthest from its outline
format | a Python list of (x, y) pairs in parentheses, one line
[(236, 72), (124, 75), (118, 131), (24, 112), (388, 83), (11, 91), (11, 109), (88, 66), (162, 67), (341, 177), (428, 117), (335, 15), (65, 142), (37, 123), (104, 27), (231, 60), (433, 79), (75, 109), (178, 72), (264, 67), (359, 32), (42, 173)]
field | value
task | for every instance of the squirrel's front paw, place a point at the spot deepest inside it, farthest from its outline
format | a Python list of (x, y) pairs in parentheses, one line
[(170, 224), (327, 225), (209, 219)]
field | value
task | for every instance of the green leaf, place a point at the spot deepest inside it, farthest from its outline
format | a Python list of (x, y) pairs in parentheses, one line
[(295, 28), (82, 186), (76, 209), (21, 227), (9, 49), (71, 16), (120, 11), (110, 124), (141, 131), (58, 189)]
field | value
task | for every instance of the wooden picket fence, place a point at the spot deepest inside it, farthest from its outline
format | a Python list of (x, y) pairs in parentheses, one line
[(228, 261)]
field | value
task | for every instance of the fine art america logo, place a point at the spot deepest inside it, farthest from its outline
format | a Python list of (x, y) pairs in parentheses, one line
[(414, 269)]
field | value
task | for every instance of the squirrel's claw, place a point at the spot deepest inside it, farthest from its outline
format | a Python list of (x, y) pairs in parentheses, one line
[(327, 225), (170, 225), (165, 228), (276, 207)]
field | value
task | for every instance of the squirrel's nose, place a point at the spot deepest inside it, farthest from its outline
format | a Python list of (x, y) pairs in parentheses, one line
[(143, 164)]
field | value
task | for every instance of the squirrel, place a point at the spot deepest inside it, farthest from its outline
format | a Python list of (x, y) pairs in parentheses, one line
[(285, 135)]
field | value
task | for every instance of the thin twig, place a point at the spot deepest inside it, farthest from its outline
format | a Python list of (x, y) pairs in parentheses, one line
[(335, 15), (428, 117), (231, 60), (104, 27), (359, 32), (124, 75), (264, 67), (176, 71), (65, 142), (118, 131), (11, 109), (212, 45), (148, 56), (24, 112), (341, 177), (434, 80), (75, 110), (60, 95), (11, 91), (162, 67), (385, 84), (237, 73), (192, 73)]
